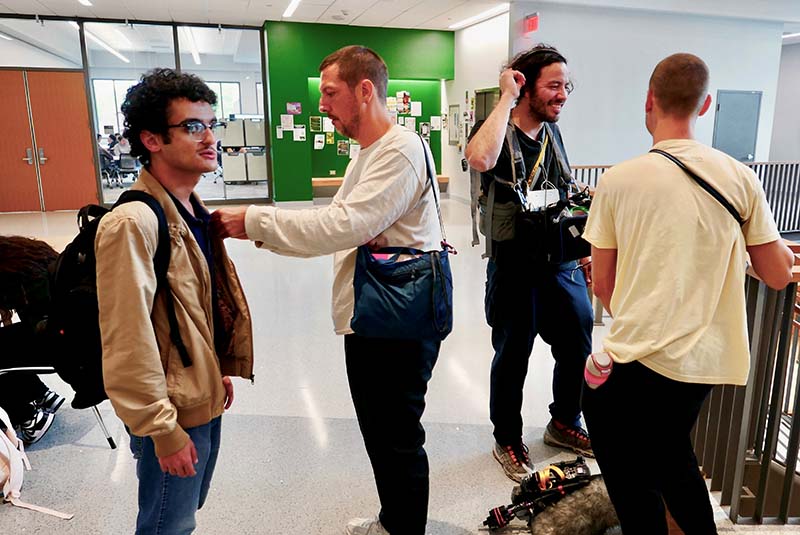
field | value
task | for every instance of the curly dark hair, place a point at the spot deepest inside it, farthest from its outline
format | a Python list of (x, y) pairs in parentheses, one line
[(531, 62), (146, 103)]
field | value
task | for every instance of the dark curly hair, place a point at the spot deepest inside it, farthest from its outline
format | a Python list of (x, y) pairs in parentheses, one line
[(146, 103), (531, 62)]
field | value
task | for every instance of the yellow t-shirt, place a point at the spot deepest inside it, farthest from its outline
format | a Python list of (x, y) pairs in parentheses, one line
[(678, 301)]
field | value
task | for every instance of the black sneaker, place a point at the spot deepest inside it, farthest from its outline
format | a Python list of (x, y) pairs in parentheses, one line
[(34, 429), (50, 402)]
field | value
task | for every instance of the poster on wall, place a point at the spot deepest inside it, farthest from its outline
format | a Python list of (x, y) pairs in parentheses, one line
[(327, 125), (436, 123), (294, 108), (319, 141), (453, 124), (411, 123), (329, 138), (315, 123), (391, 104), (342, 147), (278, 132), (403, 102), (354, 150), (424, 129), (287, 121), (416, 109), (299, 132)]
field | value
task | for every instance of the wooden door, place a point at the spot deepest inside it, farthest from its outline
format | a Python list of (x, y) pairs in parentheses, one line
[(19, 190), (64, 135)]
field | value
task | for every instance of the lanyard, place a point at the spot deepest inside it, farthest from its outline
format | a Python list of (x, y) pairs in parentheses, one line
[(538, 163)]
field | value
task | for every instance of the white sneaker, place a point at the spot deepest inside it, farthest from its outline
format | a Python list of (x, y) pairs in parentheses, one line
[(365, 526)]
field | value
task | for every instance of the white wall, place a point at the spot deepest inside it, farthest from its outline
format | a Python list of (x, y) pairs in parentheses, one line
[(612, 52), (786, 131), (481, 51)]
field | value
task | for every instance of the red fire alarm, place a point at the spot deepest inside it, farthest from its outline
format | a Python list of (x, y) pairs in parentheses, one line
[(531, 23)]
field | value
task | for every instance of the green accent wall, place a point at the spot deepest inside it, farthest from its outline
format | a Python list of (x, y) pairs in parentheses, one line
[(294, 52)]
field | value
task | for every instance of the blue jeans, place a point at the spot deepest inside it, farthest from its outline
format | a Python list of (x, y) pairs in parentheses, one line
[(524, 300), (388, 381), (167, 504)]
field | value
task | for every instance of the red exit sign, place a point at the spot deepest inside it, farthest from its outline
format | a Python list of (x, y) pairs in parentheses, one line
[(531, 23)]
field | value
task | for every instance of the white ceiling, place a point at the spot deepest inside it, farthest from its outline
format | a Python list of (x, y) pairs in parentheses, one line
[(426, 14)]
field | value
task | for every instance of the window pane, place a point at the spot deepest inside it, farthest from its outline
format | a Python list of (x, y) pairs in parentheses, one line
[(229, 60), (51, 44), (119, 55)]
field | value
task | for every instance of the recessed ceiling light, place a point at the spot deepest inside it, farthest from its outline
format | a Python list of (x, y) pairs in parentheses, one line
[(480, 17), (290, 9), (84, 2)]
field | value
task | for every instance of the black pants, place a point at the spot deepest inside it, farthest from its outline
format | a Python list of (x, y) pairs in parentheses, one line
[(388, 381), (19, 347), (640, 423), (523, 301)]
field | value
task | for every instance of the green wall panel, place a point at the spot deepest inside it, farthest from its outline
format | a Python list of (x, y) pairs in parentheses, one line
[(294, 52)]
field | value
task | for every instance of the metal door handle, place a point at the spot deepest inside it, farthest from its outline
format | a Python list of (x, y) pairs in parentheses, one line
[(42, 159), (28, 156)]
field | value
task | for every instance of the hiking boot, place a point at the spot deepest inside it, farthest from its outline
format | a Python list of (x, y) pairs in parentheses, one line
[(571, 437), (365, 526), (514, 460), (50, 402), (31, 431)]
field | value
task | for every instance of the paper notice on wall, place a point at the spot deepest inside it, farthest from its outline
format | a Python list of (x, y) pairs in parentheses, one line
[(416, 108), (391, 104), (342, 147), (299, 133), (354, 150), (278, 132), (327, 125), (315, 123), (319, 141), (287, 121), (411, 123), (329, 138), (436, 123), (401, 120)]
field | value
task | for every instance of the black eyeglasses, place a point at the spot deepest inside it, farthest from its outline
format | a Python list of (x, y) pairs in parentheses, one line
[(197, 129)]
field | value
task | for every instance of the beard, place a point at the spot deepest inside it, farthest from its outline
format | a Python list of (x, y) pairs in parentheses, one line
[(539, 109), (350, 129)]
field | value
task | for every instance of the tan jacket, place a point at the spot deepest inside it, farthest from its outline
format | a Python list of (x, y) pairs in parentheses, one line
[(150, 389)]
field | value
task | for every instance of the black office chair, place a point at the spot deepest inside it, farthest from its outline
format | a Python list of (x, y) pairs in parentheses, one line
[(126, 167)]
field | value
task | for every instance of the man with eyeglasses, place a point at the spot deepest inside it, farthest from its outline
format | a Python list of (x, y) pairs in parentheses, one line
[(525, 295), (172, 407)]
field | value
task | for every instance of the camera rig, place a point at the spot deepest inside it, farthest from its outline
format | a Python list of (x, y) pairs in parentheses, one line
[(540, 490)]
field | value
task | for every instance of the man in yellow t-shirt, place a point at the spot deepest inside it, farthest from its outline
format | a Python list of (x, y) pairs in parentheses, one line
[(668, 261)]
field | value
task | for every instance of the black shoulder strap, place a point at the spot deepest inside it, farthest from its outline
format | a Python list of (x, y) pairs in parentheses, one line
[(161, 264), (703, 184)]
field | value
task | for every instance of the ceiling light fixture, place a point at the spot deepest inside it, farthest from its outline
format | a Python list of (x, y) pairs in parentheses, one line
[(790, 35), (290, 9), (7, 38), (480, 17), (187, 31), (92, 37), (84, 2)]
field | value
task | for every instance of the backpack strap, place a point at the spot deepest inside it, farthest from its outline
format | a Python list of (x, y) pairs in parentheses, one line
[(161, 263), (566, 172)]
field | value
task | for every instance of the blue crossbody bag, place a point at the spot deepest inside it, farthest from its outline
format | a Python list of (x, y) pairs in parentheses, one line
[(404, 299)]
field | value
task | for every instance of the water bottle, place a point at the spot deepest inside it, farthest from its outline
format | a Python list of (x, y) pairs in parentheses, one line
[(598, 368)]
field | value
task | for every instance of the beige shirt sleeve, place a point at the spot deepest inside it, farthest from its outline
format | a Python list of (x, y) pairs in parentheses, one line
[(126, 284), (383, 192), (600, 225), (759, 226)]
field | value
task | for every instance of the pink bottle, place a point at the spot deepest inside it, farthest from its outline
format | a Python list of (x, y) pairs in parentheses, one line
[(598, 368)]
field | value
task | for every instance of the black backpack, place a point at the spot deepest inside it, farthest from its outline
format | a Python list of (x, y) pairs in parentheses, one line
[(73, 324)]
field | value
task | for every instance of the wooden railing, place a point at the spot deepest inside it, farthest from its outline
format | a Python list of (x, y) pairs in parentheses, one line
[(781, 182)]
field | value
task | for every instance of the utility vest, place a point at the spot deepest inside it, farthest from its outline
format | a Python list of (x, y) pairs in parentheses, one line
[(496, 221)]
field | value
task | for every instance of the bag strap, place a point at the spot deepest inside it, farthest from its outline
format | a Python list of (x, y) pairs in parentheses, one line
[(433, 189), (566, 172), (161, 262), (703, 184)]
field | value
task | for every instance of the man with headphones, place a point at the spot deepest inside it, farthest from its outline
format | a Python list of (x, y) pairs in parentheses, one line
[(520, 154)]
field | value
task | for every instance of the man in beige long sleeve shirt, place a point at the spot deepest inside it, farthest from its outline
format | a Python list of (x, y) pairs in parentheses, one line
[(385, 193)]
